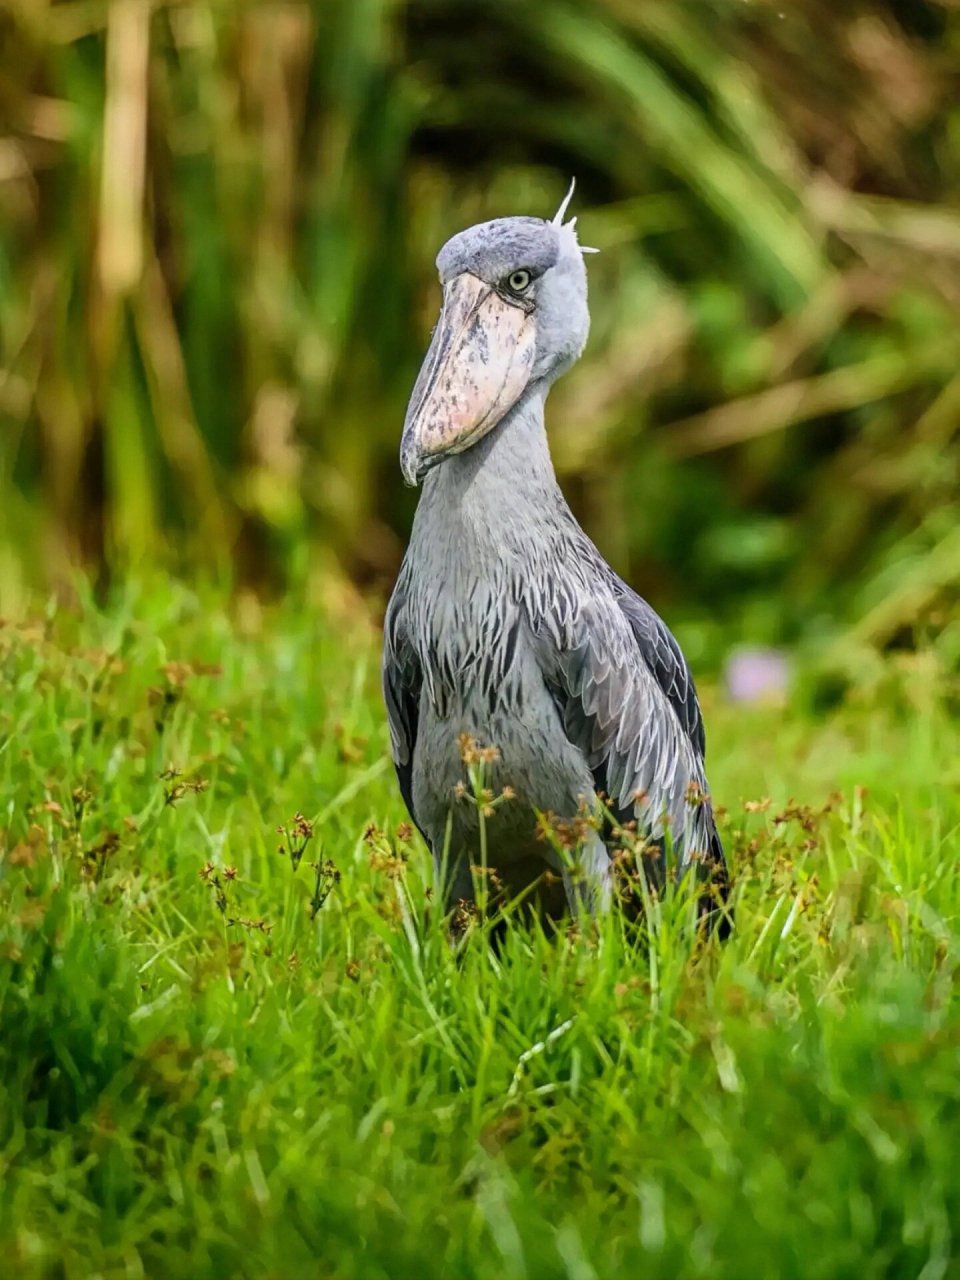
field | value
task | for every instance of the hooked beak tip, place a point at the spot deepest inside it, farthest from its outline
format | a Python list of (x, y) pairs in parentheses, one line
[(411, 466), (415, 465)]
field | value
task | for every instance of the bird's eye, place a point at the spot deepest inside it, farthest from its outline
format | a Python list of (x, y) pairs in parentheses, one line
[(517, 281)]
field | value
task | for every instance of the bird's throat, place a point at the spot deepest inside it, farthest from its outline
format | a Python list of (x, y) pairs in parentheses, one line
[(494, 509), (513, 461)]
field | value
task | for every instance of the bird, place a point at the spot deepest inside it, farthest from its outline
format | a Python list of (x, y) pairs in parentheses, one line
[(507, 628)]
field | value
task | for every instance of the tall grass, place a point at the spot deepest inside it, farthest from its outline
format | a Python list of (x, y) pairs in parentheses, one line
[(217, 225), (208, 1070)]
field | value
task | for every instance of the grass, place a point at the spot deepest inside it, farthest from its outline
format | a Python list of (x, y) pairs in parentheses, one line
[(208, 1071)]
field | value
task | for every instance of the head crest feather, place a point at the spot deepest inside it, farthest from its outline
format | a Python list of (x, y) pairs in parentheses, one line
[(557, 220)]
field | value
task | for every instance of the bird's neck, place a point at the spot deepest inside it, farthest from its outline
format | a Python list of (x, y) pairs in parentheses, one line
[(500, 492)]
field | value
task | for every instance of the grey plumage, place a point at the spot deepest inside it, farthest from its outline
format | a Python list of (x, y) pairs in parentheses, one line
[(505, 622)]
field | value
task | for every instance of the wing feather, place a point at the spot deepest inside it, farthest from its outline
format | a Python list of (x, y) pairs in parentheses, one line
[(402, 682), (626, 698)]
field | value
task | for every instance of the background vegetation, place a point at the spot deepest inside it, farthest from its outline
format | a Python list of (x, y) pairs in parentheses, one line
[(217, 231), (218, 222)]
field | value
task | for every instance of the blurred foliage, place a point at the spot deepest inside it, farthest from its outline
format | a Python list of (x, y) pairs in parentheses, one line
[(217, 231)]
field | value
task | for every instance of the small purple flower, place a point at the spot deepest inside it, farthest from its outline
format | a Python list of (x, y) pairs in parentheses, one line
[(754, 674)]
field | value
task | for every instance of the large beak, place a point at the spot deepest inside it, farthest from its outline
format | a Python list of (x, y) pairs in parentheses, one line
[(477, 366)]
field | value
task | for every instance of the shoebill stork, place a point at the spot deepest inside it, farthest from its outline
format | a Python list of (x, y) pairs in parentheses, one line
[(506, 623)]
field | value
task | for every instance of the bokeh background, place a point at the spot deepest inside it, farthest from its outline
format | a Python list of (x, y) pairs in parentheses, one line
[(217, 230)]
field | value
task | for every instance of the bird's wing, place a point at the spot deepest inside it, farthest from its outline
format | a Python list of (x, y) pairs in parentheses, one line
[(402, 679), (626, 699), (663, 656)]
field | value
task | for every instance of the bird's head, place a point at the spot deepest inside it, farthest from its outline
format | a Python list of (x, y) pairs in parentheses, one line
[(514, 315)]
